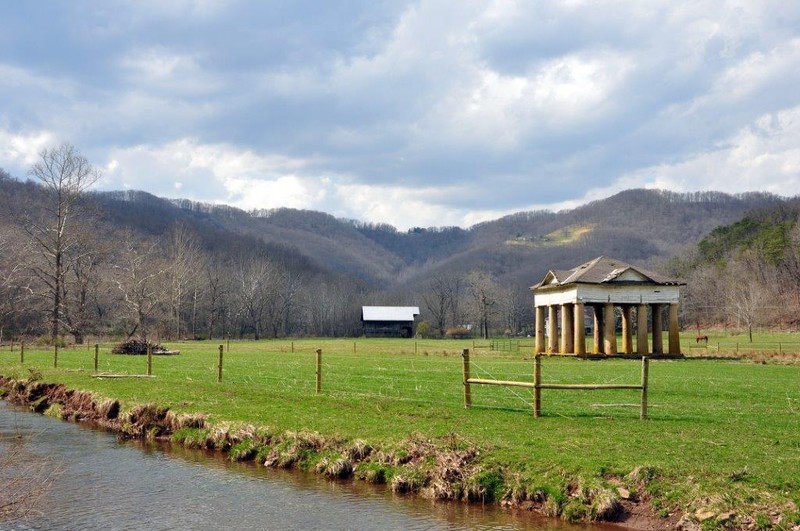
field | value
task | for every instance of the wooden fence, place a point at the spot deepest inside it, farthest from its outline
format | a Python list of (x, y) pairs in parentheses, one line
[(537, 385)]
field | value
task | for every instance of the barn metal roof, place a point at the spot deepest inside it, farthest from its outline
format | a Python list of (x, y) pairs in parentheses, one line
[(389, 313), (602, 270)]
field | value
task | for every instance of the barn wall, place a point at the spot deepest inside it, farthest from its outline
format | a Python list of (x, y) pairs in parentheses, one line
[(389, 329)]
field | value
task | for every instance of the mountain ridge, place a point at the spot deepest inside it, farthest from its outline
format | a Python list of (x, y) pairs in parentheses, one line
[(633, 225)]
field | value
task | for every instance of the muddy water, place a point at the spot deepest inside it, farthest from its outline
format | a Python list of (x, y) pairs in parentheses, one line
[(107, 484)]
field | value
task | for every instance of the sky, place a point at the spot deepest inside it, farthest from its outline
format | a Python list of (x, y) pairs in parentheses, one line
[(419, 113)]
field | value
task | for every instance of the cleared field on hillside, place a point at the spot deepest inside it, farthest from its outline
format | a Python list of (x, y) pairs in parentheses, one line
[(728, 430)]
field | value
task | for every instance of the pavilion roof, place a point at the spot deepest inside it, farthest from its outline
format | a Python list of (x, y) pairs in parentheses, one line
[(603, 270)]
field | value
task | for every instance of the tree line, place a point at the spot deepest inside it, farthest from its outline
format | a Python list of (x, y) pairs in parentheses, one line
[(745, 275), (70, 268)]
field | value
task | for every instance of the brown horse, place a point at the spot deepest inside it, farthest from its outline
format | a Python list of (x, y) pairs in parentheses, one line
[(702, 338)]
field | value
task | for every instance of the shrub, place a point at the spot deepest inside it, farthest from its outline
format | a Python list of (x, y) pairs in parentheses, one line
[(457, 332), (425, 330)]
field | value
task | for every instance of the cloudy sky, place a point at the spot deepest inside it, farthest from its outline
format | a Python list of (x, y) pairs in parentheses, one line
[(428, 112)]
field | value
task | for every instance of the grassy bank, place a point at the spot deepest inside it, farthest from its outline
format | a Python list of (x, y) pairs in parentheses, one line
[(723, 436)]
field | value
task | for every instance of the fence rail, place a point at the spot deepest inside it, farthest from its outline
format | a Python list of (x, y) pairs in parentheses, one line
[(537, 384)]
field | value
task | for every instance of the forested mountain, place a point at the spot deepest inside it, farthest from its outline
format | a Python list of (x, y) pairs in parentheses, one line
[(634, 225), (746, 274), (214, 263)]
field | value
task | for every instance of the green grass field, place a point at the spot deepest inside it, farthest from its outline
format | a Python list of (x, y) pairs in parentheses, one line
[(721, 435)]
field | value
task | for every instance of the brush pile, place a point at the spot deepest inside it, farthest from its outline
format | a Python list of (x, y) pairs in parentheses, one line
[(139, 347)]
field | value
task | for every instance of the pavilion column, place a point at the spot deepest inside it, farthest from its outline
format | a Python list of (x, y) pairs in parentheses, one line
[(609, 332), (674, 332), (641, 330), (627, 330), (579, 329), (658, 340), (552, 329), (597, 348), (567, 345), (540, 319)]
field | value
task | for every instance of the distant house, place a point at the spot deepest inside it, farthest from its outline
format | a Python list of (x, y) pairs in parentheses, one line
[(389, 321)]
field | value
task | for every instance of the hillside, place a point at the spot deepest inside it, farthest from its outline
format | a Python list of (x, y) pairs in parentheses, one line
[(287, 271), (750, 268), (634, 225)]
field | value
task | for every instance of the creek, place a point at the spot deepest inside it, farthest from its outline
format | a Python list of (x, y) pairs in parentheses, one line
[(101, 482)]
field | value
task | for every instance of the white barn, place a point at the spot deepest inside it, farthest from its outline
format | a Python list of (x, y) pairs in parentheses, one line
[(389, 321)]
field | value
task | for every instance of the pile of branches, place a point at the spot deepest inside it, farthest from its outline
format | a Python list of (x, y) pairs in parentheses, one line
[(138, 346)]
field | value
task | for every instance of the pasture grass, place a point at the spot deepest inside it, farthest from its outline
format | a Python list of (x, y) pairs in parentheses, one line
[(721, 435)]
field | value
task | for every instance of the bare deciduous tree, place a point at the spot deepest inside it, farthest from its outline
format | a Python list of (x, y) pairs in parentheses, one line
[(255, 280), (484, 297), (141, 277), (14, 284), (746, 295), (65, 175), (184, 253), (82, 280), (440, 300)]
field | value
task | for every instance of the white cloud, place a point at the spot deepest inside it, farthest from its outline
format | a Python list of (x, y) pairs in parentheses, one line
[(164, 70), (752, 74), (398, 206), (764, 156), (403, 114), (504, 110), (26, 80), (215, 173), (289, 191), (178, 10), (19, 151)]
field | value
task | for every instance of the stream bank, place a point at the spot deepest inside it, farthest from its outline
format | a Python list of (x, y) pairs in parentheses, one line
[(444, 470)]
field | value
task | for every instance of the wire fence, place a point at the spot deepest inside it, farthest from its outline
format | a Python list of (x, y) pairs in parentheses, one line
[(419, 375)]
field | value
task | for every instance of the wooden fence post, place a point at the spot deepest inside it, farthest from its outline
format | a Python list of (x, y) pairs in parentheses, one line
[(780, 349), (149, 360), (229, 345), (645, 370), (319, 370), (292, 346), (737, 348), (219, 367), (415, 347), (22, 352), (537, 381), (55, 356), (96, 353), (467, 390), (354, 347), (12, 345)]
